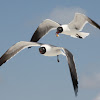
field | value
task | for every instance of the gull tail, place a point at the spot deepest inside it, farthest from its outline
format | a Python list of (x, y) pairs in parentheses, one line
[(82, 35)]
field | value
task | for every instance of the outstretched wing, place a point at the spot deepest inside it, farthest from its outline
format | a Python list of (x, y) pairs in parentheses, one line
[(12, 51), (80, 20), (43, 29), (72, 69)]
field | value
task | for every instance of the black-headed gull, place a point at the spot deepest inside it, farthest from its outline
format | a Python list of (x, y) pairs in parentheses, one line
[(74, 28), (46, 50)]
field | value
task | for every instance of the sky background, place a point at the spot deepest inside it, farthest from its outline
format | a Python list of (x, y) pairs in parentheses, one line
[(32, 76)]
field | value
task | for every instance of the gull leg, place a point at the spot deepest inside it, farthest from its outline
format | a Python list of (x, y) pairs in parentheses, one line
[(78, 36), (58, 58), (29, 47)]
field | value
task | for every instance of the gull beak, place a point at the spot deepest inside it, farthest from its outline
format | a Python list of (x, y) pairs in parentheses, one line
[(57, 35)]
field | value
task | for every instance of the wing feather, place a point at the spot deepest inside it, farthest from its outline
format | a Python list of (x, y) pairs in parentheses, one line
[(80, 20), (43, 29), (16, 48), (72, 69)]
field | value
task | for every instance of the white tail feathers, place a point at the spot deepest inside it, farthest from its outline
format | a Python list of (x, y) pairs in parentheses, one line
[(83, 34), (80, 35)]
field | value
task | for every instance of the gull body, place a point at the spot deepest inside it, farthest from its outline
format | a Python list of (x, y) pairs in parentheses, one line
[(46, 50), (52, 51), (73, 29), (68, 31)]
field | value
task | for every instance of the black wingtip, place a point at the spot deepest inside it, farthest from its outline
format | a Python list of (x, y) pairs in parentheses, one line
[(36, 37), (75, 85), (76, 90), (1, 62), (94, 23)]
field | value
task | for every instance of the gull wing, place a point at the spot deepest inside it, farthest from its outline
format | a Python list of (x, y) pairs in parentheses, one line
[(72, 69), (16, 48), (80, 20), (43, 29)]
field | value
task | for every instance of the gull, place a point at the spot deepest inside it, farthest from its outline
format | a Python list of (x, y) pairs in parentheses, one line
[(46, 50), (73, 29)]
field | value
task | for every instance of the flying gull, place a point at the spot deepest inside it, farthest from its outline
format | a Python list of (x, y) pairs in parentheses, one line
[(46, 50), (74, 28)]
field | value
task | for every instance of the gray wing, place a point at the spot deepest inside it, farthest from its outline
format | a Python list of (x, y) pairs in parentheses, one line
[(72, 70), (12, 51), (80, 20), (43, 29)]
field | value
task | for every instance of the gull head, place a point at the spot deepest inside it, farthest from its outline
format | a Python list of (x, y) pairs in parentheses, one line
[(59, 30)]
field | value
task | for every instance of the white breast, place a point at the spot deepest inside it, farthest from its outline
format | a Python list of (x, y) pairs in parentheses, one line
[(65, 28), (51, 51), (68, 31)]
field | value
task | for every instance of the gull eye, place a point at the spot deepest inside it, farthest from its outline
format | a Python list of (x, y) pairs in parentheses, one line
[(42, 50)]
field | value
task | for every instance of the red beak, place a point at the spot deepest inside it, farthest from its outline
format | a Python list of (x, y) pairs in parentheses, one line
[(57, 32)]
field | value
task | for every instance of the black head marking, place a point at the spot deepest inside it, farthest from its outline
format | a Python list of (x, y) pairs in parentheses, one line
[(59, 29), (42, 50)]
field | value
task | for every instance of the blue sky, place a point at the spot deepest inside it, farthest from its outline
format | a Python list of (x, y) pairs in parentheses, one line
[(31, 76)]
